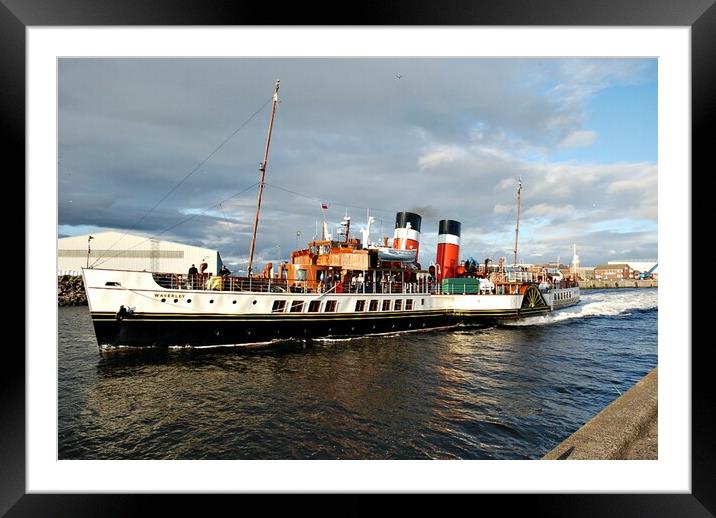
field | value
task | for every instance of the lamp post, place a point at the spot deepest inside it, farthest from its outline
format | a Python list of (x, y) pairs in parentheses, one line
[(89, 250)]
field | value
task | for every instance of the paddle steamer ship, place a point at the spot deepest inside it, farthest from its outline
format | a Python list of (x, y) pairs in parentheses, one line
[(333, 288)]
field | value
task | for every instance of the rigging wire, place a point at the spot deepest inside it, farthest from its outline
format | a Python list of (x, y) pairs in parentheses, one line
[(175, 225), (221, 208), (187, 176), (334, 202), (340, 204)]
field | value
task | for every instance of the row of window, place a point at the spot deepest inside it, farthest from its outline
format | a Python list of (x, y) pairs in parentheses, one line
[(314, 306), (565, 295)]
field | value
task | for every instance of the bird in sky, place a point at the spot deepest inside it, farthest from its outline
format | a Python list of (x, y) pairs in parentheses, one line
[(398, 76)]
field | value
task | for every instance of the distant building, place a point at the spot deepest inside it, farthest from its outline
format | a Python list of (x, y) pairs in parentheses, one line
[(640, 265), (585, 273), (555, 266), (117, 250), (613, 272)]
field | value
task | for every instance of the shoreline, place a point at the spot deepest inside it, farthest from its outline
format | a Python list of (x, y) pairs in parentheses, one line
[(71, 291)]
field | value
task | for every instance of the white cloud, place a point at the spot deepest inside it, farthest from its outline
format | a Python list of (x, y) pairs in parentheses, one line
[(443, 155), (579, 138), (549, 211), (641, 182), (503, 209), (347, 131), (582, 78), (506, 183)]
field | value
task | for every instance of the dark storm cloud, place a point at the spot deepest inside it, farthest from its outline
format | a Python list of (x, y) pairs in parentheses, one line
[(447, 140)]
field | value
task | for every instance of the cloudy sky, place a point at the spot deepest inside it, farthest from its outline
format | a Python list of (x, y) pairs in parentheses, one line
[(446, 138)]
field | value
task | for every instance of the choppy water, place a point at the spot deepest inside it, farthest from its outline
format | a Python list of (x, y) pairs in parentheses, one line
[(511, 392)]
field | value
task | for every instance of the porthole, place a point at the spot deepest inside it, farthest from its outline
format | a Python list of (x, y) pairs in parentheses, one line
[(176, 300), (188, 300), (234, 302), (211, 301), (254, 302), (164, 300)]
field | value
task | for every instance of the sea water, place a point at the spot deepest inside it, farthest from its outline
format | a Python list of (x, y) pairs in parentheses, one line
[(505, 392)]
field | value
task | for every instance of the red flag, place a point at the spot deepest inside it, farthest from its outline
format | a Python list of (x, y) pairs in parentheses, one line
[(324, 205)]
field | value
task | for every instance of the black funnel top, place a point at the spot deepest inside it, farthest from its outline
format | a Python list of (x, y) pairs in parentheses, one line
[(448, 226), (408, 217)]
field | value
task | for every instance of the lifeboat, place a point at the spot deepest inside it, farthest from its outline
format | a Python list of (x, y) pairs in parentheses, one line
[(396, 255)]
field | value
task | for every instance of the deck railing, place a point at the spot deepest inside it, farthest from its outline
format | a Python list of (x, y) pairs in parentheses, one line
[(259, 284), (264, 285)]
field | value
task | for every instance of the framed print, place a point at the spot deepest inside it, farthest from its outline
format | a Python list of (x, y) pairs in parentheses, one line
[(51, 53)]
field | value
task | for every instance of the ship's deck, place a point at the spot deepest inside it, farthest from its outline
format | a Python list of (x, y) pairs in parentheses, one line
[(263, 285)]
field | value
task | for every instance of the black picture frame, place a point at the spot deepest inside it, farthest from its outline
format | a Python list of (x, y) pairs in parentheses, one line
[(700, 15)]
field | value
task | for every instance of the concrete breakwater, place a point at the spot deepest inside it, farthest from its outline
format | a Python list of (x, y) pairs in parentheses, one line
[(627, 429), (620, 283), (71, 291)]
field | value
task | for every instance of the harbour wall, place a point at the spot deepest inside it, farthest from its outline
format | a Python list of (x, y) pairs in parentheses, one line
[(71, 291), (627, 429), (619, 283)]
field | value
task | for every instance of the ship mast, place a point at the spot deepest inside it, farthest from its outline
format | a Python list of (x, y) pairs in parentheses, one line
[(262, 169), (517, 227)]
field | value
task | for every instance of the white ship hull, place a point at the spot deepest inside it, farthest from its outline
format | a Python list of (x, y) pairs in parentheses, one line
[(131, 308)]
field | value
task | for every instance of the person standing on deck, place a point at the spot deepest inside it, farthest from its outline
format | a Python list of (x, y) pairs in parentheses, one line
[(192, 277), (224, 272)]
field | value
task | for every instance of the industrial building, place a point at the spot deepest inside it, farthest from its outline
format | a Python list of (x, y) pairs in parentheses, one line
[(120, 251), (615, 271), (640, 266)]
